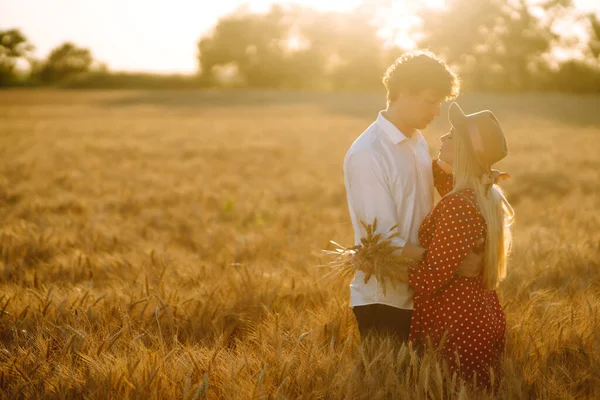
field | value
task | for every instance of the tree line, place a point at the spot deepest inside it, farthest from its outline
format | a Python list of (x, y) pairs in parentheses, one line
[(64, 61), (495, 45), (71, 66)]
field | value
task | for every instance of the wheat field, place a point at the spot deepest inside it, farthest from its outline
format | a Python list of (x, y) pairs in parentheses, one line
[(167, 245)]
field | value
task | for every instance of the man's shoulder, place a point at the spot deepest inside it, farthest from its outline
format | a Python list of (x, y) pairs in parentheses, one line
[(365, 144)]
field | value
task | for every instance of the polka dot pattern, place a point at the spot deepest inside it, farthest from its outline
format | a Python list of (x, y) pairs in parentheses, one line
[(451, 306)]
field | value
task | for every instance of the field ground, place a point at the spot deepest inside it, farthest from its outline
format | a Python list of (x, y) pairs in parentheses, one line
[(165, 244)]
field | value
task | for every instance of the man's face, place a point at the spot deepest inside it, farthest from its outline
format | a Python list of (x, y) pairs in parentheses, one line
[(423, 107)]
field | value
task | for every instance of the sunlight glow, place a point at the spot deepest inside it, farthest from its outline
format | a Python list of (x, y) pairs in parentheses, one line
[(588, 5), (152, 35), (327, 5), (339, 5)]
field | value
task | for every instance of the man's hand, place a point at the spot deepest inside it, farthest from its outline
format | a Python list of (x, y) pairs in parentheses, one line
[(471, 265)]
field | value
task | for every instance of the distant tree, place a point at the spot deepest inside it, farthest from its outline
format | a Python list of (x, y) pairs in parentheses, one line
[(576, 76), (65, 61), (253, 43), (581, 75), (496, 44), (295, 47), (459, 29), (594, 43), (359, 52), (518, 43), (460, 34), (336, 50), (310, 48), (14, 46)]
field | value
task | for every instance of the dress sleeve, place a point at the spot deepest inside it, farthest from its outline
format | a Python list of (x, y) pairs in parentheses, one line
[(456, 234), (443, 182)]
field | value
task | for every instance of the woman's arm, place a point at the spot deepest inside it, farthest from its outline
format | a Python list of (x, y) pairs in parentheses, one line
[(457, 232), (443, 180)]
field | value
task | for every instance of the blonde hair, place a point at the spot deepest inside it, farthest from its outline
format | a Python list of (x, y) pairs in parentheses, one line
[(493, 206)]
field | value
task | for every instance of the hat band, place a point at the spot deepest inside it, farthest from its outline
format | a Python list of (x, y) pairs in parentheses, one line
[(477, 143)]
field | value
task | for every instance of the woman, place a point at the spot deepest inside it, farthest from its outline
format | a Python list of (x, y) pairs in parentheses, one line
[(464, 313)]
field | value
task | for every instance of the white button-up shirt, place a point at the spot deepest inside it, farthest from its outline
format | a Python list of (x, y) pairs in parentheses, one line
[(388, 176)]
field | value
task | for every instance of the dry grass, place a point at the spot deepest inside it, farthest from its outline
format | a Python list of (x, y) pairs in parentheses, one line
[(162, 245)]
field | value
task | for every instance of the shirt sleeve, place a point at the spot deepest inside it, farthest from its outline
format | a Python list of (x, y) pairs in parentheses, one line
[(457, 231), (369, 195), (443, 182)]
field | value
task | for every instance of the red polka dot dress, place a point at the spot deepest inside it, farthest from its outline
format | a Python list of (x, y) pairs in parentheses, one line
[(445, 303)]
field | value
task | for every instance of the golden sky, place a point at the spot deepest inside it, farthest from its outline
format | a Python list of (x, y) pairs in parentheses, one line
[(140, 35)]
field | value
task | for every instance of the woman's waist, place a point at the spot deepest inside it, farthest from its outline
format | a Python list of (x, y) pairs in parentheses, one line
[(448, 306)]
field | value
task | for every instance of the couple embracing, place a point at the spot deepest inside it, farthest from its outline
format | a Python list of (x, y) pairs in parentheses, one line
[(461, 244)]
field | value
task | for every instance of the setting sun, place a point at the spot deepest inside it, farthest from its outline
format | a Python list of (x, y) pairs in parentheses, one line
[(140, 35)]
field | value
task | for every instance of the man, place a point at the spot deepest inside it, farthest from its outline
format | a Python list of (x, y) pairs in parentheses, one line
[(388, 177)]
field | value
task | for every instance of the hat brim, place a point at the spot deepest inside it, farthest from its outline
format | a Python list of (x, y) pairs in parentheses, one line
[(456, 115)]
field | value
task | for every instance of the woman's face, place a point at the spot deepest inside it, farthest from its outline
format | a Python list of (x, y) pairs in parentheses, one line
[(447, 147)]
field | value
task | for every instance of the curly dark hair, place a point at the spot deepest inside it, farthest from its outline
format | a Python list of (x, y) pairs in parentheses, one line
[(418, 71)]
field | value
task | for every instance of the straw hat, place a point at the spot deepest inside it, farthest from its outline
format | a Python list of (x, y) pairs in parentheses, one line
[(486, 136), (484, 131)]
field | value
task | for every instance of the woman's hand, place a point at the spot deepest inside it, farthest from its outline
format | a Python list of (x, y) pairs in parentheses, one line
[(444, 166), (413, 251)]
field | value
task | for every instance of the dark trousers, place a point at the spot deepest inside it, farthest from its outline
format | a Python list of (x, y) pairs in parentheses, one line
[(382, 319)]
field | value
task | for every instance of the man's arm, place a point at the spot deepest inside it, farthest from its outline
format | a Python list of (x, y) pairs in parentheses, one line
[(470, 267), (369, 195)]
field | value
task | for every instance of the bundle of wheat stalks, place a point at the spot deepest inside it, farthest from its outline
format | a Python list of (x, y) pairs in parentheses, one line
[(375, 255)]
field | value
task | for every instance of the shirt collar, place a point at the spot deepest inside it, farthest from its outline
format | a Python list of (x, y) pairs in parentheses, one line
[(393, 133)]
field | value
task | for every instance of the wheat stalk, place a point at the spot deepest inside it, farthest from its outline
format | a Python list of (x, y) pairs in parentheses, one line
[(375, 256)]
